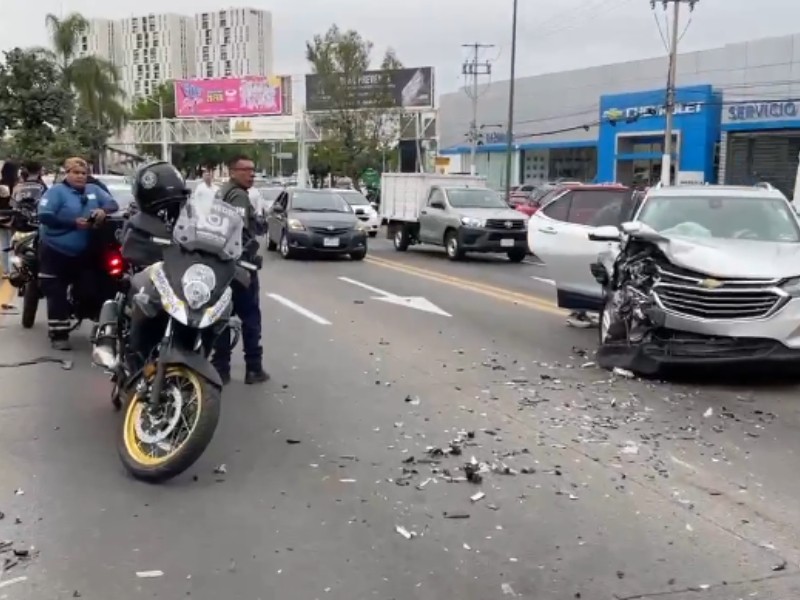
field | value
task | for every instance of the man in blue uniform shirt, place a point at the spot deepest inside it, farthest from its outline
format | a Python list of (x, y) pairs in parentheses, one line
[(67, 213)]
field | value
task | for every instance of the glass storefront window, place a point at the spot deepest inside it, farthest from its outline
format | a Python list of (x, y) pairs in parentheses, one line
[(575, 164)]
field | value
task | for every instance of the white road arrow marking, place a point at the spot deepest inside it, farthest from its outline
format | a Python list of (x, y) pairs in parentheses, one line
[(415, 302), (544, 280)]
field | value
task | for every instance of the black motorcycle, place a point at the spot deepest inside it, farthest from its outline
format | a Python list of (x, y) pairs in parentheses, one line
[(107, 267), (156, 340)]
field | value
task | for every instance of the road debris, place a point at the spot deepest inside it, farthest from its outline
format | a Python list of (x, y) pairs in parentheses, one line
[(625, 373), (221, 469), (403, 531), (709, 412), (40, 360), (508, 590), (292, 442), (149, 574), (477, 497), (413, 400), (456, 515)]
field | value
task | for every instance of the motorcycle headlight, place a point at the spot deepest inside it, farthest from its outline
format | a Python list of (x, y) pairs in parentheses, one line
[(792, 286), (472, 222), (198, 283), (174, 306), (212, 314), (295, 225)]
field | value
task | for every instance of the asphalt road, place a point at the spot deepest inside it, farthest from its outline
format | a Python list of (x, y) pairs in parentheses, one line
[(616, 488)]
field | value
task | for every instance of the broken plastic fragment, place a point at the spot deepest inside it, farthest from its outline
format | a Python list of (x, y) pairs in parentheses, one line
[(508, 590), (709, 412), (221, 469), (623, 373), (149, 574), (403, 531), (477, 497), (413, 400)]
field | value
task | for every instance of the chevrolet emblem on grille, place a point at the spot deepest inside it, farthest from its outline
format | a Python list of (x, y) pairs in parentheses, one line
[(710, 284), (509, 224)]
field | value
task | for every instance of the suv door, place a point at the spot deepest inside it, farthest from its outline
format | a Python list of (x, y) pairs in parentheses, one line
[(571, 253), (545, 224), (432, 218)]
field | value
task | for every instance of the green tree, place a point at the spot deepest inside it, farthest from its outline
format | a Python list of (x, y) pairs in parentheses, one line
[(95, 81), (34, 107), (356, 137)]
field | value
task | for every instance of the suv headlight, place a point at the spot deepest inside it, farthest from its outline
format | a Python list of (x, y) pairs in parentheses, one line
[(472, 222), (296, 225), (198, 282), (792, 286)]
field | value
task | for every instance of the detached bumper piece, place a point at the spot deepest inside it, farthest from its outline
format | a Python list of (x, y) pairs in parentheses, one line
[(672, 352)]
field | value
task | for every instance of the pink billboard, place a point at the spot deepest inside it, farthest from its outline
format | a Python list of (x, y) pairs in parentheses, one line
[(229, 97)]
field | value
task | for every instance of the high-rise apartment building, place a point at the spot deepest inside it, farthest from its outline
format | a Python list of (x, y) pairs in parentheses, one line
[(234, 42), (152, 49)]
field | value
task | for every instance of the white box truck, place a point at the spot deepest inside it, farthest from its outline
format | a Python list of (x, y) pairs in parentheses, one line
[(458, 212)]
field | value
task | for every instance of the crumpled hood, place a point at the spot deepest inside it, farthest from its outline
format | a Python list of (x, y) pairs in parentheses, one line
[(744, 259)]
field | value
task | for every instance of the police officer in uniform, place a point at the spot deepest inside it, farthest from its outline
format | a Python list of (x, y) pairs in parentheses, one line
[(246, 300)]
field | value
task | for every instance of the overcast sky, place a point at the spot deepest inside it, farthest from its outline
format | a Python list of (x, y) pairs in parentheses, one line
[(553, 35)]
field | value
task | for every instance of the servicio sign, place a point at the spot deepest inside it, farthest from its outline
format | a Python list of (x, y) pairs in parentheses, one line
[(763, 110)]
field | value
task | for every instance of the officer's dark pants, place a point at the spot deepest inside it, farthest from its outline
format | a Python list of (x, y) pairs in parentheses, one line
[(246, 306), (57, 272)]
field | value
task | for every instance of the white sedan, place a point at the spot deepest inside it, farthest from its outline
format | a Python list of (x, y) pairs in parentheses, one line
[(364, 210)]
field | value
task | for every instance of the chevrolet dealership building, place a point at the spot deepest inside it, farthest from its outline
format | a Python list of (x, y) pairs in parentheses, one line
[(737, 120)]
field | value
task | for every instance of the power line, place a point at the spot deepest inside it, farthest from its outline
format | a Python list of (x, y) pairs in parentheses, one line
[(473, 69)]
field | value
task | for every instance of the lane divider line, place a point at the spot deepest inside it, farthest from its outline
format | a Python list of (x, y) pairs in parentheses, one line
[(495, 292), (301, 310)]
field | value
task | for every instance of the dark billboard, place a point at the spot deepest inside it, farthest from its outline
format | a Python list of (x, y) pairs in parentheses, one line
[(401, 88)]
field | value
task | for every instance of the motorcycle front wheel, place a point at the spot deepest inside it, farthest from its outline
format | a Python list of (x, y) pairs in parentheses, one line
[(156, 444)]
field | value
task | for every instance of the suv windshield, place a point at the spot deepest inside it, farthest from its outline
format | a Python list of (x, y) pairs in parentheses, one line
[(475, 199), (319, 202), (753, 218)]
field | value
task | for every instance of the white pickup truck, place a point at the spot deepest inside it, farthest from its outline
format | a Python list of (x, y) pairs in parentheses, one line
[(455, 211)]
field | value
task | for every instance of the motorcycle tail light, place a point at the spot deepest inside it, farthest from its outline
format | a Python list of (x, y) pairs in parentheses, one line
[(115, 265)]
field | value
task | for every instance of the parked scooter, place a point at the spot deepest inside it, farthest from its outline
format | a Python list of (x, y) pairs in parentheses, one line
[(86, 303)]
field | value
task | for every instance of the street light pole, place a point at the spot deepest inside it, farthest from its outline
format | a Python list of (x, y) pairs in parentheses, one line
[(163, 121), (511, 90)]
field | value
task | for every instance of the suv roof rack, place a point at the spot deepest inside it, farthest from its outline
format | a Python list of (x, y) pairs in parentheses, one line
[(764, 185)]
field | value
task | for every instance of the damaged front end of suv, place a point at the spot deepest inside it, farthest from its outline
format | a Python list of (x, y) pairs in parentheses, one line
[(663, 310)]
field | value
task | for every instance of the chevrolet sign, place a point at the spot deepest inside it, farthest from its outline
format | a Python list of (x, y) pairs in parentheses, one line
[(642, 112)]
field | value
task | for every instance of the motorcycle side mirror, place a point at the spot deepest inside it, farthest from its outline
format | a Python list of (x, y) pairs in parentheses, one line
[(607, 233)]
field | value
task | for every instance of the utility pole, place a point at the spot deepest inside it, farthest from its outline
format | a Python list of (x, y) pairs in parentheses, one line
[(473, 68), (672, 75), (511, 91)]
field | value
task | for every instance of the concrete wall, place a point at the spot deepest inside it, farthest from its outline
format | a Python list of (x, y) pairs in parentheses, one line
[(758, 70)]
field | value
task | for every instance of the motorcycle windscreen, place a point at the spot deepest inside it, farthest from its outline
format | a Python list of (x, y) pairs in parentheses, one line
[(213, 228)]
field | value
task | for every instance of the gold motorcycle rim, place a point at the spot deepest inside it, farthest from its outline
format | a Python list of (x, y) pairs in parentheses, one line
[(153, 455)]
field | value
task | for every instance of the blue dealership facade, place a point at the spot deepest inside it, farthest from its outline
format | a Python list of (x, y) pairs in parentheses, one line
[(737, 121)]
